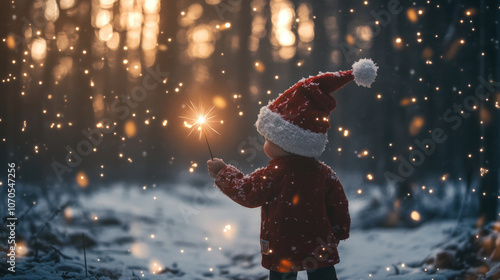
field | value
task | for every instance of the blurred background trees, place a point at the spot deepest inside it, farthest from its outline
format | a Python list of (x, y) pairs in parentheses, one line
[(66, 62)]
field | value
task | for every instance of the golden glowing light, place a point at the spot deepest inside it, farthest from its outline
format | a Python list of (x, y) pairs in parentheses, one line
[(416, 125), (68, 213), (130, 129), (39, 49), (201, 40), (139, 250), (11, 42), (199, 119), (412, 15), (81, 179), (259, 67), (22, 249), (483, 171), (155, 266), (219, 102), (415, 216)]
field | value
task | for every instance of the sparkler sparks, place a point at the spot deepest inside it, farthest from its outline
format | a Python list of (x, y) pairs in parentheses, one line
[(199, 120)]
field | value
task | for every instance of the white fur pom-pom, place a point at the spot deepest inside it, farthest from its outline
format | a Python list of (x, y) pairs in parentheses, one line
[(364, 72)]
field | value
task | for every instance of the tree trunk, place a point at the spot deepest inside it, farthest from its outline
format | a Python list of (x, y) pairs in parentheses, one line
[(491, 116)]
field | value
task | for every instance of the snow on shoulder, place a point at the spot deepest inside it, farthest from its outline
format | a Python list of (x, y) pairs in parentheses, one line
[(364, 72)]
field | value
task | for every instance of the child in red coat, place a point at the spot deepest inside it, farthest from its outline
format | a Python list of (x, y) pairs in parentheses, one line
[(304, 208)]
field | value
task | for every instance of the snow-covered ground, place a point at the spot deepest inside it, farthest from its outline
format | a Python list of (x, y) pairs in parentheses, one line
[(183, 232)]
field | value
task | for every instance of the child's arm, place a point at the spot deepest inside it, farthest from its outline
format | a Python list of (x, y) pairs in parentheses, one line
[(249, 191), (214, 166), (337, 209)]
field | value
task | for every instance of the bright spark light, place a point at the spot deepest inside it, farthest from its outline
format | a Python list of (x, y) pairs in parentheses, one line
[(199, 119)]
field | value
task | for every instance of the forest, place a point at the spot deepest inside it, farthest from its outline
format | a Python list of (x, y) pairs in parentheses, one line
[(99, 104)]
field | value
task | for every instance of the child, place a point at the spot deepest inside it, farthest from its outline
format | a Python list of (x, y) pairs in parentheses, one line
[(303, 205)]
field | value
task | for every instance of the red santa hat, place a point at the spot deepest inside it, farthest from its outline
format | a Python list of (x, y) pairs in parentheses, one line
[(297, 120)]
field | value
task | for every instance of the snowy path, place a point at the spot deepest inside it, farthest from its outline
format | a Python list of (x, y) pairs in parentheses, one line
[(188, 233)]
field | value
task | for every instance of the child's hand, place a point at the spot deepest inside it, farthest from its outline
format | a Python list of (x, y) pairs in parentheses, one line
[(214, 166)]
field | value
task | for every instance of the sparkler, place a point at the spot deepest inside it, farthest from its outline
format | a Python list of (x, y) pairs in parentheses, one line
[(199, 120)]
